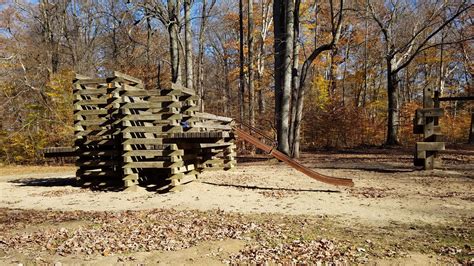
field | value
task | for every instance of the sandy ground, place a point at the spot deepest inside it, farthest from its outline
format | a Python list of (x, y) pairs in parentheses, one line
[(387, 191)]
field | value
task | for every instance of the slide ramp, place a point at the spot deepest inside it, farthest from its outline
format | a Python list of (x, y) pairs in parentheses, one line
[(294, 164)]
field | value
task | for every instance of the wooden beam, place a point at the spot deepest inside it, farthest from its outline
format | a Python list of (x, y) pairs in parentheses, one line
[(459, 98)]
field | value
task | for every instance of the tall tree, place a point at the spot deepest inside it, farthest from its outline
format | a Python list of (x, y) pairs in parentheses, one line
[(241, 62), (205, 14), (188, 40), (283, 17), (267, 21), (400, 50), (169, 15), (336, 27), (251, 75)]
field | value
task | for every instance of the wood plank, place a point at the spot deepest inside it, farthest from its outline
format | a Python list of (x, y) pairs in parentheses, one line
[(183, 89), (144, 129), (92, 122), (92, 173), (203, 135), (90, 102), (96, 163), (154, 153), (92, 142), (91, 81), (430, 146), (91, 112), (153, 164), (212, 126), (128, 77), (142, 141), (140, 93), (431, 112), (98, 91)]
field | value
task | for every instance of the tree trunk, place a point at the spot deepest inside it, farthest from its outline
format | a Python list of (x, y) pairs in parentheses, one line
[(336, 33), (227, 90), (279, 55), (241, 62), (200, 74), (250, 64), (297, 123), (344, 73), (366, 57), (332, 73), (188, 40), (173, 31), (294, 76), (283, 130), (392, 119), (260, 56)]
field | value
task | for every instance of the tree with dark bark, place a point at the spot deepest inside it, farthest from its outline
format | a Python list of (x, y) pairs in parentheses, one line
[(283, 17)]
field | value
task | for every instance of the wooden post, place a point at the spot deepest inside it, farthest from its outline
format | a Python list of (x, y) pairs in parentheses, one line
[(427, 123)]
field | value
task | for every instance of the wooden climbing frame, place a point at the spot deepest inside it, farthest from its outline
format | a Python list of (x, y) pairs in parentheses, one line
[(129, 135)]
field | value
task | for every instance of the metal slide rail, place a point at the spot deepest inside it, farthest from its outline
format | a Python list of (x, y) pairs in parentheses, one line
[(296, 165)]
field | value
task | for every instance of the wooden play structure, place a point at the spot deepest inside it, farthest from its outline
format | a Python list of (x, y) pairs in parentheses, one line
[(125, 135), (426, 122)]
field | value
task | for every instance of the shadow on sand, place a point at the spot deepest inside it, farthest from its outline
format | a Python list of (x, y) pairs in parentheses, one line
[(104, 184), (99, 185), (271, 188)]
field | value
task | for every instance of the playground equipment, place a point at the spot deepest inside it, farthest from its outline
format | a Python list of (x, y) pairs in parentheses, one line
[(247, 136), (125, 134), (426, 122)]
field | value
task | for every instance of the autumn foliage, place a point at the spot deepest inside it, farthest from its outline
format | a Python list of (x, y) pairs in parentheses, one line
[(43, 44)]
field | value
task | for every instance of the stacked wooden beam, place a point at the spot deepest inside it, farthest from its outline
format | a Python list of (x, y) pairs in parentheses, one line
[(128, 134), (426, 122), (94, 118)]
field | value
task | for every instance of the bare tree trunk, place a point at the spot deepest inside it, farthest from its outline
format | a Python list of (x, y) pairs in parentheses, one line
[(393, 110), (48, 34), (366, 55), (261, 101), (442, 80), (283, 130), (294, 76), (344, 73), (332, 72), (266, 22), (279, 55), (227, 90), (241, 62), (250, 64), (200, 74), (188, 39), (336, 33), (173, 31)]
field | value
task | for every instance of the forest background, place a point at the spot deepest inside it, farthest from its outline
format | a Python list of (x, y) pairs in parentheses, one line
[(378, 57)]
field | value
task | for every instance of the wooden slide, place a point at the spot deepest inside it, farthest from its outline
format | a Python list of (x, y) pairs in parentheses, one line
[(282, 157)]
